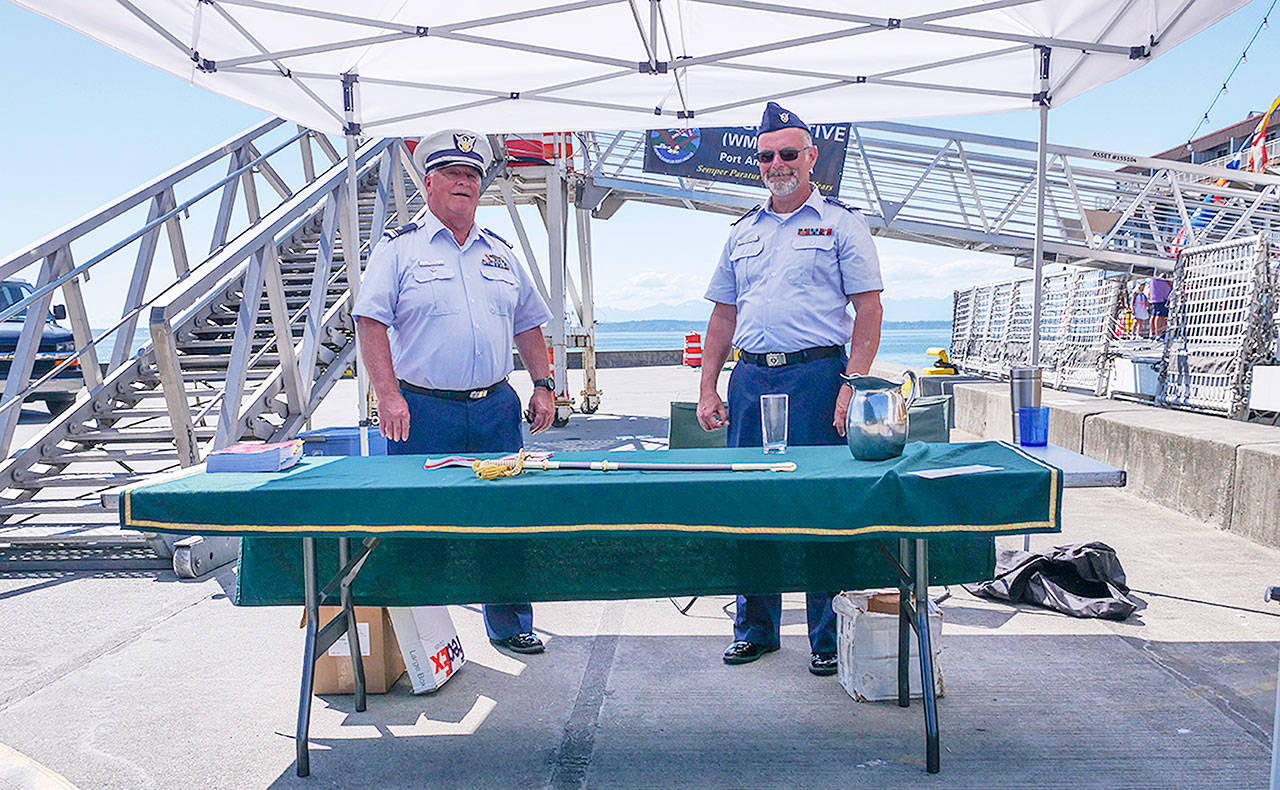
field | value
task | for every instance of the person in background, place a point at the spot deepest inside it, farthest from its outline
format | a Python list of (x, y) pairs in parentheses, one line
[(781, 294), (1140, 306), (1160, 290)]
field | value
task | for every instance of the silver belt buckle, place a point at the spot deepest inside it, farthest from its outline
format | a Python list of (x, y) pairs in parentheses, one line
[(477, 394), (775, 359)]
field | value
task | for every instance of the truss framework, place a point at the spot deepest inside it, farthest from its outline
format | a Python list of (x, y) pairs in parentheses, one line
[(973, 191), (605, 64)]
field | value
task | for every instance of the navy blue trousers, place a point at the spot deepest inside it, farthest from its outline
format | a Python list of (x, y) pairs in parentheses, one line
[(489, 425), (811, 388)]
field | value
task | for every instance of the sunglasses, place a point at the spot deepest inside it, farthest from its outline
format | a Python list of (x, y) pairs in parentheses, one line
[(786, 155)]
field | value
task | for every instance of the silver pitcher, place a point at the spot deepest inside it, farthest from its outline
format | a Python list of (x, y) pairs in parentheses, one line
[(876, 426)]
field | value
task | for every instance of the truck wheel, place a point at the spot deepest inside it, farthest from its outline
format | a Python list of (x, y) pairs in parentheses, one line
[(57, 406)]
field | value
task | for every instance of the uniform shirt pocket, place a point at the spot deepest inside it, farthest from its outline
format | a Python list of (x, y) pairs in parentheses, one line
[(502, 288), (431, 288), (813, 256), (747, 262)]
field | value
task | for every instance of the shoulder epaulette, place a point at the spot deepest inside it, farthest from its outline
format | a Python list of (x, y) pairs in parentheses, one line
[(496, 236), (753, 210), (400, 231), (841, 204)]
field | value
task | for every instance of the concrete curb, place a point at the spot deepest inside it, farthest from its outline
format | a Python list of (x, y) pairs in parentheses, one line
[(1219, 471), (1255, 510), (639, 358)]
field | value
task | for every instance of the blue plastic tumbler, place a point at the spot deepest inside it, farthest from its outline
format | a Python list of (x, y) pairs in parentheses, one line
[(1033, 426)]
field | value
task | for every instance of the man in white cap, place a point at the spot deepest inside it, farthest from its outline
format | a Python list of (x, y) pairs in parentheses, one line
[(454, 296)]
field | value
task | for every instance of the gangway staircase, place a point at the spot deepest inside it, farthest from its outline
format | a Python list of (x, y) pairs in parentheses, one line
[(211, 371)]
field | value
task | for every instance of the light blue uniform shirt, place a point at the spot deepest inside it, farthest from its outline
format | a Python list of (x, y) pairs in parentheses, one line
[(790, 277), (452, 310)]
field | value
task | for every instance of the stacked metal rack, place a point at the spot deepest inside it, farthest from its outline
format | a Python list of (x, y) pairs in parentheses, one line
[(1219, 347)]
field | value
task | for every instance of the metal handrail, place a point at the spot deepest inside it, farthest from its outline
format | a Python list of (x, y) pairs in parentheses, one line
[(18, 307), (169, 303), (165, 214), (95, 219), (973, 190)]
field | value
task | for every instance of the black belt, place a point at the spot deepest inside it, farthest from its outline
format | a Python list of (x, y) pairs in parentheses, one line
[(776, 359), (476, 394)]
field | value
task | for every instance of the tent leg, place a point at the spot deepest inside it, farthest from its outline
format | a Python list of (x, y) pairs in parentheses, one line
[(1037, 255), (312, 604)]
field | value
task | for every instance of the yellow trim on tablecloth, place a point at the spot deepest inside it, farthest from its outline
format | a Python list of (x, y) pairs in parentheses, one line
[(1053, 477), (1047, 524)]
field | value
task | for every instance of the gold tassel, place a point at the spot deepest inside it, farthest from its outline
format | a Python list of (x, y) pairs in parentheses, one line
[(493, 468)]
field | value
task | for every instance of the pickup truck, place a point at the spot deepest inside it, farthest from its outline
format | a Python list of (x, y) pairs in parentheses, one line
[(56, 344)]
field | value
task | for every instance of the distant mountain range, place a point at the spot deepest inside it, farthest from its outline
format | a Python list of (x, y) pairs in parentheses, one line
[(931, 309)]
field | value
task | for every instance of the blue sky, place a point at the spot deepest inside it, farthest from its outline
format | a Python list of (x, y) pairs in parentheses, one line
[(86, 123)]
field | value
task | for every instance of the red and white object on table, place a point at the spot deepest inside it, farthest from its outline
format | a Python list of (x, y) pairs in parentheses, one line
[(467, 461)]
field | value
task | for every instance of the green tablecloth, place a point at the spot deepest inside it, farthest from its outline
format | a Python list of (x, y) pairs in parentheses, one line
[(569, 535), (829, 497)]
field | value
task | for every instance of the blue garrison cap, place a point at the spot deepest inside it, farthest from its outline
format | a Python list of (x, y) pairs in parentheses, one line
[(775, 118)]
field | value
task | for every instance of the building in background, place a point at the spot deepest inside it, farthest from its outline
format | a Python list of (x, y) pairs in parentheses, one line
[(1220, 147)]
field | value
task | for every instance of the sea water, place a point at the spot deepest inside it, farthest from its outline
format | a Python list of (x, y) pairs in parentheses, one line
[(898, 345)]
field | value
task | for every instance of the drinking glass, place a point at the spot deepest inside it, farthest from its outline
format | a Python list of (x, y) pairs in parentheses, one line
[(773, 423)]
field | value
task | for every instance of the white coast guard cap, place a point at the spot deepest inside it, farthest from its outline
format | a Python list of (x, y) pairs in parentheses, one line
[(453, 147)]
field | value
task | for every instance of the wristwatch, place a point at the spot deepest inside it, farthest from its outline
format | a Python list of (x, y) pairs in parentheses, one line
[(547, 383)]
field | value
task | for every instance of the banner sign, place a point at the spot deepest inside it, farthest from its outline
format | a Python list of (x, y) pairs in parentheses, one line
[(727, 154)]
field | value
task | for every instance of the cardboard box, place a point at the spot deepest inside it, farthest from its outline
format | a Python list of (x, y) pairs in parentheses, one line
[(429, 645), (867, 646), (381, 656)]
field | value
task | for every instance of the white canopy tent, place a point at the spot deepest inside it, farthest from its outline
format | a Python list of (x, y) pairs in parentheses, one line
[(635, 64), (406, 67)]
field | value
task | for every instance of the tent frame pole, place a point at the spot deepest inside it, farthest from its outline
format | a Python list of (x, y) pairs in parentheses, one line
[(1042, 156), (315, 635), (351, 242), (1037, 253)]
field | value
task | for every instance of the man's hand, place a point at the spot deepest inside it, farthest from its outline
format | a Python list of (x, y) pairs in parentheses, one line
[(393, 417), (842, 408), (711, 411), (542, 406)]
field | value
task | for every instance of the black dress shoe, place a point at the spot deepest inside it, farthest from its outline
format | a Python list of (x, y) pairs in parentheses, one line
[(823, 665), (746, 652), (527, 642)]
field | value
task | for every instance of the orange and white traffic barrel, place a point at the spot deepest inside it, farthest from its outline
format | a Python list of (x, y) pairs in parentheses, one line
[(692, 350)]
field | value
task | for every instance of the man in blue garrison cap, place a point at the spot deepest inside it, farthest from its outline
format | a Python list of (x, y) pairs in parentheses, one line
[(781, 293), (454, 297)]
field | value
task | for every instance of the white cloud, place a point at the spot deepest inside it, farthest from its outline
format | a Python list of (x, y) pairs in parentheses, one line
[(914, 271), (647, 288)]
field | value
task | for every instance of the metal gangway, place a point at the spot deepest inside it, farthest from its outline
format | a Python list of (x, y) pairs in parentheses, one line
[(245, 335), (233, 322), (1104, 210)]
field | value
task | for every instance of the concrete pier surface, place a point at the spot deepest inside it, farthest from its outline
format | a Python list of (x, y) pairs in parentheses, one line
[(138, 680)]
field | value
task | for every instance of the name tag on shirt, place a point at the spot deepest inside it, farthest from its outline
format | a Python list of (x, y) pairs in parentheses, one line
[(432, 265)]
